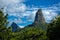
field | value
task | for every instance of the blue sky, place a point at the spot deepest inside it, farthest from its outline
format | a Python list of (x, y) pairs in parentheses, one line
[(44, 3), (22, 12)]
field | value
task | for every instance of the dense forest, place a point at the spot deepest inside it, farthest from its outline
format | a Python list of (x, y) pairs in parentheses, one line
[(52, 31)]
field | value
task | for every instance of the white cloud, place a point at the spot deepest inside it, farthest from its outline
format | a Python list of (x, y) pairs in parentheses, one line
[(49, 15), (17, 7), (21, 26), (26, 14), (51, 12), (4, 3)]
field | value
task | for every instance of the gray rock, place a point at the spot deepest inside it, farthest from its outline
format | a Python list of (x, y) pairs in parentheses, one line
[(39, 19)]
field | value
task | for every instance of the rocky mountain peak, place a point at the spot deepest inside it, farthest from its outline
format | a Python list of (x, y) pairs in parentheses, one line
[(39, 19)]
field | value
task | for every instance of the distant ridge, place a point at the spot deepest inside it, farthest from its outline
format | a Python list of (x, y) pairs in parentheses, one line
[(14, 27)]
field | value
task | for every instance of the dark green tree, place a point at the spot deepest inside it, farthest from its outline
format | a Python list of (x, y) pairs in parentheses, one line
[(3, 25), (30, 33), (53, 31)]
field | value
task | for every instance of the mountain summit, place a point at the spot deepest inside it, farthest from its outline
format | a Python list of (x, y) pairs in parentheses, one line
[(39, 19)]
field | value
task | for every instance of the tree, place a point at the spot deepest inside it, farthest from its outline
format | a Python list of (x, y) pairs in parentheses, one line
[(54, 29), (30, 33), (3, 25)]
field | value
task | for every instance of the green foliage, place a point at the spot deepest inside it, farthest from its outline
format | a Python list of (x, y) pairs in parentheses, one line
[(30, 33), (3, 19), (53, 31), (3, 25)]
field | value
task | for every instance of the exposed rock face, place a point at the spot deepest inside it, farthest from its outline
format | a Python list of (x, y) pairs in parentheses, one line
[(14, 27), (39, 19)]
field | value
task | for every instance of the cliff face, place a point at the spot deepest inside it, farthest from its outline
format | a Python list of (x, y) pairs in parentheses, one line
[(39, 19)]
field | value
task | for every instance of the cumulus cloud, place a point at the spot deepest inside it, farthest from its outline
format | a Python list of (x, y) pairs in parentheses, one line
[(49, 15), (4, 3), (51, 12), (16, 7)]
